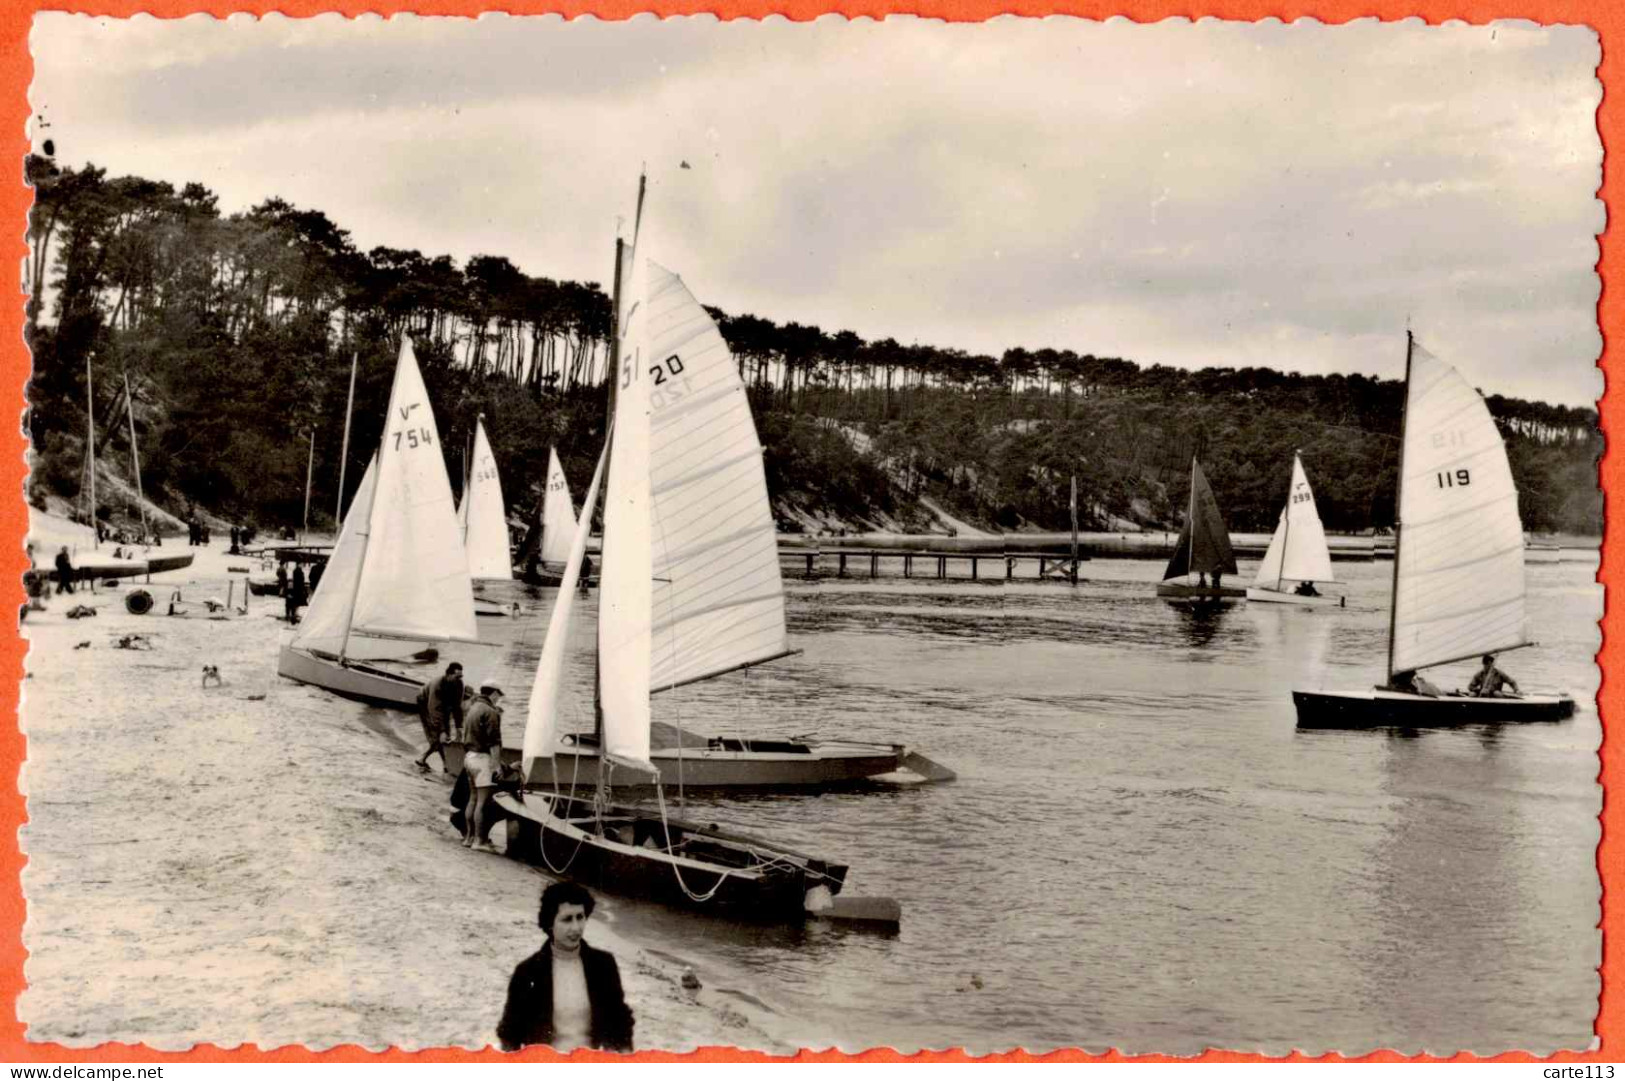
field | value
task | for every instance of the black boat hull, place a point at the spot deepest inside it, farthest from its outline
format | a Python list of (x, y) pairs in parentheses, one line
[(1391, 709), (628, 858)]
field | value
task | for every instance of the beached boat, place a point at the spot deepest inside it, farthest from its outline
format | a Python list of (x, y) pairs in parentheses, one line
[(1297, 552), (672, 522), (1458, 586), (547, 545), (398, 576), (1203, 550), (482, 514)]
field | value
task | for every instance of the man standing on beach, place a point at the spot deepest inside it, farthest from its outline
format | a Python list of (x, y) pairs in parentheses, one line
[(567, 994), (64, 571), (482, 761), (440, 708)]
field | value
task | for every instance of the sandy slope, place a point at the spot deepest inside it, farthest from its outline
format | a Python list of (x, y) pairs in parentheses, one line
[(259, 863)]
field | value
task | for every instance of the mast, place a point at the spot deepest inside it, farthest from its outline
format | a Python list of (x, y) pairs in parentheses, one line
[(135, 459), (1286, 522), (609, 432), (1190, 523), (310, 469), (344, 450), (90, 411), (1074, 529), (1399, 500)]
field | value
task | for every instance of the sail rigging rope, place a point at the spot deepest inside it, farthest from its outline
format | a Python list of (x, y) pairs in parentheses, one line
[(665, 824), (541, 845)]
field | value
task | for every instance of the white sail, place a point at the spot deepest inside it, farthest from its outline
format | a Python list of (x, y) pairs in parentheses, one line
[(718, 595), (486, 529), (414, 579), (1458, 577), (558, 519), (1297, 552), (541, 722), (625, 586), (325, 621)]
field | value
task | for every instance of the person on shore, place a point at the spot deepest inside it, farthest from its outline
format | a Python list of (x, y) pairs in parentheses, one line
[(582, 585), (567, 994), (281, 580), (484, 727), (236, 536), (1411, 683), (1489, 680), (64, 571), (440, 708), (316, 576)]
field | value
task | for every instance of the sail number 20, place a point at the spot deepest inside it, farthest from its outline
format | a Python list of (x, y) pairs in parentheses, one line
[(1461, 478)]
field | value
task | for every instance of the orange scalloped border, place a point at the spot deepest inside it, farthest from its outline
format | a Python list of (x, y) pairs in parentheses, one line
[(1607, 17)]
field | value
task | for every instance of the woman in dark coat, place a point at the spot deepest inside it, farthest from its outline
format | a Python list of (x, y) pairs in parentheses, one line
[(567, 994)]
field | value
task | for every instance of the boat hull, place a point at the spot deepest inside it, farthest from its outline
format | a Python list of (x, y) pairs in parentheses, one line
[(1281, 596), (1392, 709), (1182, 592), (358, 680), (628, 857), (821, 766)]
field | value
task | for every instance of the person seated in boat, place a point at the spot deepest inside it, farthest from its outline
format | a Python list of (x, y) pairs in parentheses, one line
[(1307, 589), (484, 726), (440, 710), (567, 994), (1489, 681), (1201, 580), (1411, 683)]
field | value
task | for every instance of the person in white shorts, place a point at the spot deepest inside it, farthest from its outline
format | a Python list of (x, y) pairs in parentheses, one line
[(483, 725)]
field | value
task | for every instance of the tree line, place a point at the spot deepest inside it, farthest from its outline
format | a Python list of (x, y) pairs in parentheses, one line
[(236, 334)]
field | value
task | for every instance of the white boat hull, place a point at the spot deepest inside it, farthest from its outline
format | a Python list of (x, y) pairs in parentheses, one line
[(1282, 596), (356, 679)]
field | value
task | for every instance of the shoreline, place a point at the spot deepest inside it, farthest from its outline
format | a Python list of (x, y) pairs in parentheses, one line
[(242, 865)]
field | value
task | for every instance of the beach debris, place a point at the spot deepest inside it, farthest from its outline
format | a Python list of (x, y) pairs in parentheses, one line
[(81, 645), (138, 602), (239, 570), (253, 698), (211, 674), (214, 604), (80, 611), (975, 984), (690, 981), (133, 641)]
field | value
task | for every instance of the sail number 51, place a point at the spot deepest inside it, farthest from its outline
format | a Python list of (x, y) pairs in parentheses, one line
[(1461, 478)]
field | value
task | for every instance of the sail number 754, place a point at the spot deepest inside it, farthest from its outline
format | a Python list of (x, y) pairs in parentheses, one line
[(1460, 478), (415, 437)]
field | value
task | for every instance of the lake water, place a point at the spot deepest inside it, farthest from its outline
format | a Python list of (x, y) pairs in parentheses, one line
[(1142, 851)]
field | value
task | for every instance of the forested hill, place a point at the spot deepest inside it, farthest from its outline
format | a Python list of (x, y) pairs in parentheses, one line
[(236, 333)]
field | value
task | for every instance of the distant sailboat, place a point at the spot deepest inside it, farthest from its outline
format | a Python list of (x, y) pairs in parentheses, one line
[(558, 516), (398, 576), (1203, 549), (1297, 553), (1458, 588)]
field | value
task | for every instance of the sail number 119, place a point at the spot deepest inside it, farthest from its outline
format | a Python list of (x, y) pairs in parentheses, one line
[(1461, 478)]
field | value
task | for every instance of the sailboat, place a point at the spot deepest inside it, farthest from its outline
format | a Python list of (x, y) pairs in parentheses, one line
[(483, 515), (398, 576), (1458, 587), (1203, 549), (1297, 552), (547, 545), (679, 509)]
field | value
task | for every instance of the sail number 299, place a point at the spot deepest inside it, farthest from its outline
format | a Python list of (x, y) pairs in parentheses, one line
[(1460, 478)]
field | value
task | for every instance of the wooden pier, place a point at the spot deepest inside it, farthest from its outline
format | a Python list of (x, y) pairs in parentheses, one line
[(929, 564)]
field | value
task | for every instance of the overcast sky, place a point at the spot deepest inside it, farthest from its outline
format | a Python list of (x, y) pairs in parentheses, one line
[(1210, 194)]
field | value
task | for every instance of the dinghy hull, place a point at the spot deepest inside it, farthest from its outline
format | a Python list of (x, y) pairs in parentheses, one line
[(813, 766), (1281, 596), (358, 680), (1179, 591), (1392, 709), (625, 852)]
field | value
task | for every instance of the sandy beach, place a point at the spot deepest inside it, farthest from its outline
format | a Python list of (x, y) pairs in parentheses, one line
[(261, 863)]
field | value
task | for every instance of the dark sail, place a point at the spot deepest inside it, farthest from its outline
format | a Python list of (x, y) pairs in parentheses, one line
[(1204, 543)]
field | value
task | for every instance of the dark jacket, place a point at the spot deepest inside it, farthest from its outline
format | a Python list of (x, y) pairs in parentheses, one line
[(482, 725), (440, 702), (527, 1017)]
